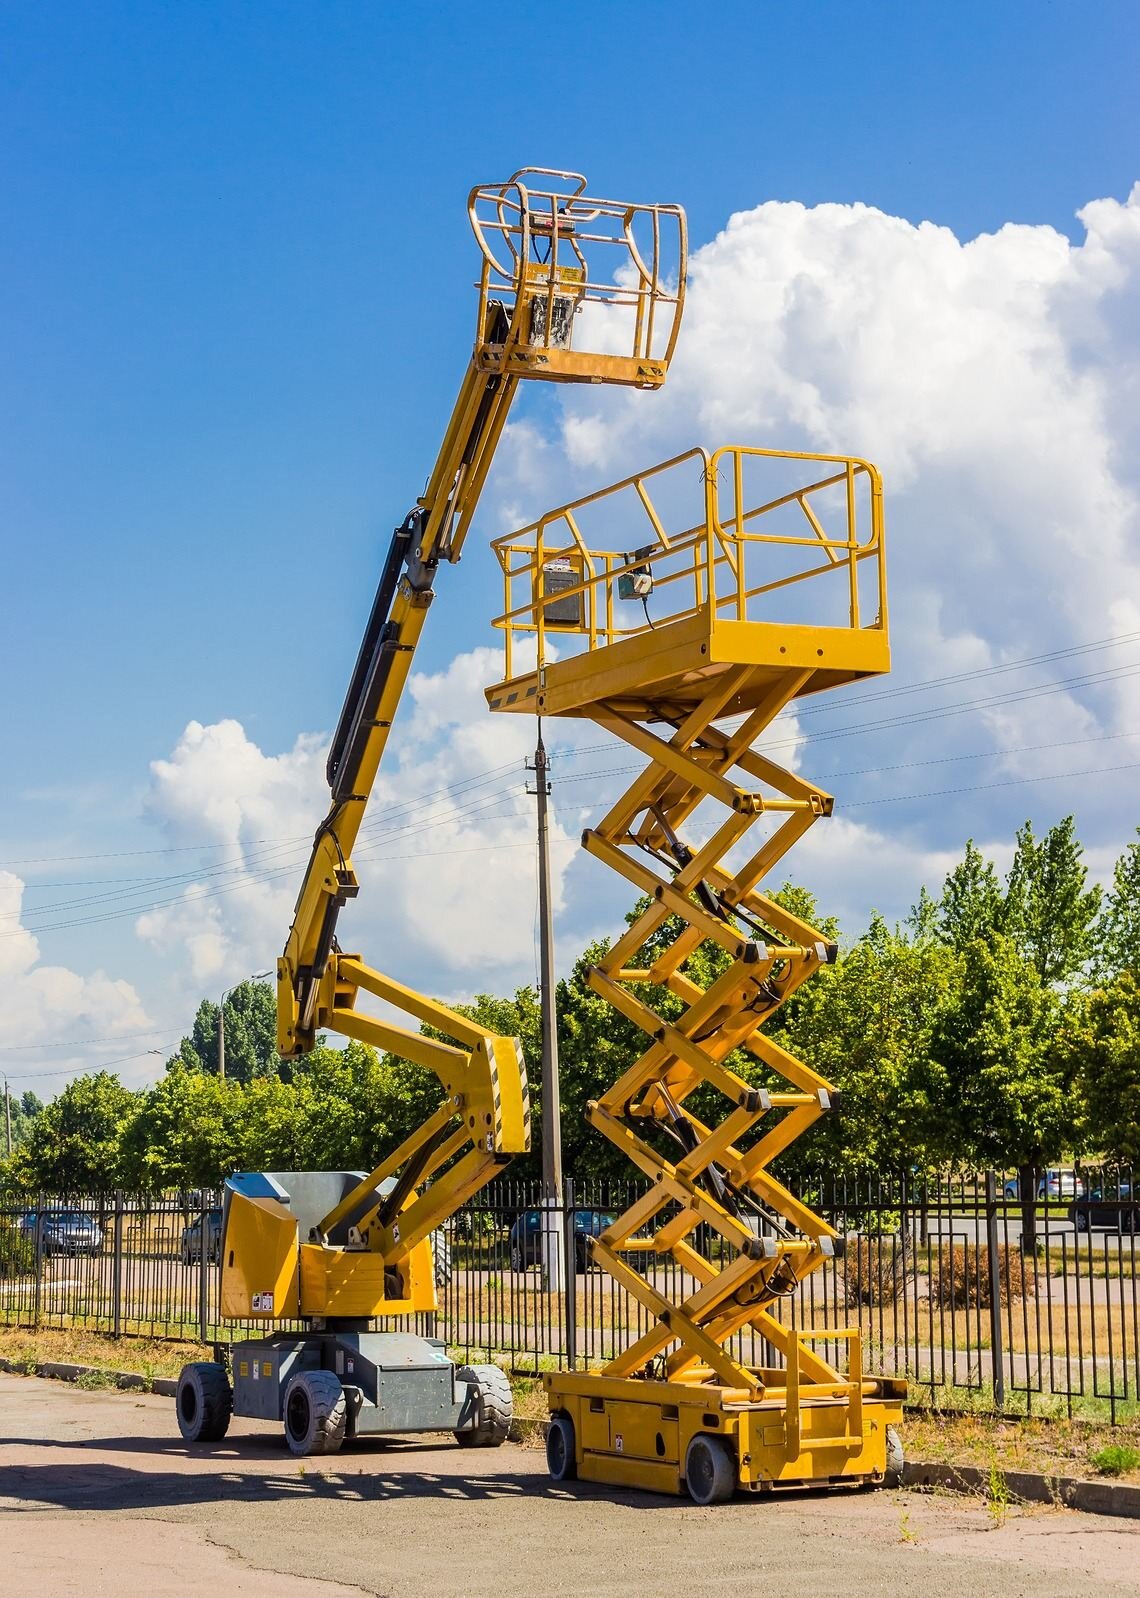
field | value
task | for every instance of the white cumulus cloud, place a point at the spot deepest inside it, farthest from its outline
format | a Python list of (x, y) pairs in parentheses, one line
[(48, 1007)]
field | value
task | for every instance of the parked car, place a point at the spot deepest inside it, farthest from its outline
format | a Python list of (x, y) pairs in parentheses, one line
[(1052, 1185), (63, 1231), (526, 1237), (191, 1248), (1110, 1206)]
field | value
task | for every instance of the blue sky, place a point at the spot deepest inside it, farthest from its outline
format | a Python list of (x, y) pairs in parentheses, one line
[(234, 272)]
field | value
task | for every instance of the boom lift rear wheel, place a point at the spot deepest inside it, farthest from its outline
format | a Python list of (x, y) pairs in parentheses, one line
[(710, 1470), (205, 1402), (315, 1413), (494, 1406)]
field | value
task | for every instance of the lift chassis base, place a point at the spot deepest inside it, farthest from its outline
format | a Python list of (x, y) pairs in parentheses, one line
[(328, 1387), (641, 1434)]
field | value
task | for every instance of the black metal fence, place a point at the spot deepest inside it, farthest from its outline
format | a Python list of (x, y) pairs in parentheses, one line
[(935, 1271)]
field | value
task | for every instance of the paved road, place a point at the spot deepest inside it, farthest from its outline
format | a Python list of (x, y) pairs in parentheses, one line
[(98, 1496)]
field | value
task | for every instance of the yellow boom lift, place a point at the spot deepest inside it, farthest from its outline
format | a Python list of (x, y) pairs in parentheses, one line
[(691, 604), (571, 289)]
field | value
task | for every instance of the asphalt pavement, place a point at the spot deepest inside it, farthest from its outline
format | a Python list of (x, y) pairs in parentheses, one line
[(98, 1495)]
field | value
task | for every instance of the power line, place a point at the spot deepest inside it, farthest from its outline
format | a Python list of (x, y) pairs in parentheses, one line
[(574, 752), (255, 880), (897, 690), (68, 1043), (86, 1070), (288, 856), (982, 787)]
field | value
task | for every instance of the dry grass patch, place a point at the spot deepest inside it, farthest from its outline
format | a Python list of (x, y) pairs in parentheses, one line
[(148, 1356), (1046, 1447)]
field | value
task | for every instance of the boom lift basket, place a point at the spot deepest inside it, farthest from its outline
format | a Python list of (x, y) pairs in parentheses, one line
[(553, 254)]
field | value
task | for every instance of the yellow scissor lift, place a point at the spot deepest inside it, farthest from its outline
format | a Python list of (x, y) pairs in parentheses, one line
[(682, 610)]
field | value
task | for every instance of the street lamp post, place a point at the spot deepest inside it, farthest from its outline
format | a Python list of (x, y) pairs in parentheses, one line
[(256, 977)]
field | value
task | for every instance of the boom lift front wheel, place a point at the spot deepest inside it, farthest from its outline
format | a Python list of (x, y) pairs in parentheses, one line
[(315, 1413)]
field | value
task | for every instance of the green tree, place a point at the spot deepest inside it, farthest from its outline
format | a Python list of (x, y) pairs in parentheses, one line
[(250, 1030), (1117, 933), (866, 1025), (1010, 1098), (23, 1110), (185, 1132), (971, 903), (1048, 912), (76, 1142), (1102, 1035)]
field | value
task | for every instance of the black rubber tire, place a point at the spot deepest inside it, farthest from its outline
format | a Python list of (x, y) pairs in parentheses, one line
[(1080, 1221), (893, 1475), (561, 1449), (494, 1407), (204, 1402), (441, 1258), (516, 1258), (315, 1413), (710, 1470)]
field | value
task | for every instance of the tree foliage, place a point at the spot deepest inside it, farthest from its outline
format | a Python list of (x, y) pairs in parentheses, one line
[(76, 1142), (1000, 1025), (1118, 930)]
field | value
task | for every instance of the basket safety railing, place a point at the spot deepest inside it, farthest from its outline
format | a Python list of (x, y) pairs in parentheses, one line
[(696, 533), (551, 252)]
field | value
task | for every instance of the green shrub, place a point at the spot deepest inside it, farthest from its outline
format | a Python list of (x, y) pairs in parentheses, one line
[(1116, 1460), (17, 1253), (961, 1277)]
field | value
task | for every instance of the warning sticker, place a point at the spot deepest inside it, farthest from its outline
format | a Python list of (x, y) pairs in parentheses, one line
[(619, 1443)]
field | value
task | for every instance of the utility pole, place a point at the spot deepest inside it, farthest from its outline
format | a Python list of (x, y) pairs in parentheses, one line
[(256, 977), (554, 1230), (8, 1117)]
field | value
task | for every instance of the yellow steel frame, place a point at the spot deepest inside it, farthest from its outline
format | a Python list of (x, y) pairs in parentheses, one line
[(713, 676), (539, 236)]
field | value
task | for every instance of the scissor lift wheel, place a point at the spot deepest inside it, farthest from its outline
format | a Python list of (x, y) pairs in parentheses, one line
[(561, 1449), (710, 1470)]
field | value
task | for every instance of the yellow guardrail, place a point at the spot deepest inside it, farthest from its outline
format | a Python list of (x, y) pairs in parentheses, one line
[(693, 528)]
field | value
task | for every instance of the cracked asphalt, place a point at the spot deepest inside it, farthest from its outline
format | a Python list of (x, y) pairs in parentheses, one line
[(98, 1494)]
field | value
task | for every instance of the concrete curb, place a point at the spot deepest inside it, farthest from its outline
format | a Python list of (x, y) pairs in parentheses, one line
[(1068, 1492), (128, 1381)]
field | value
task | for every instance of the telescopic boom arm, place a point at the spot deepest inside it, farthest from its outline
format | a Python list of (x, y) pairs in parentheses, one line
[(539, 236)]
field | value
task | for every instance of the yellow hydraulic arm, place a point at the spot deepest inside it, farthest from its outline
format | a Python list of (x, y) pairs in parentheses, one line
[(539, 235)]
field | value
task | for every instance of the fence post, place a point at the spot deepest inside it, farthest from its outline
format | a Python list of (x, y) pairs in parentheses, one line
[(571, 1277), (117, 1294), (203, 1267), (39, 1262), (997, 1351)]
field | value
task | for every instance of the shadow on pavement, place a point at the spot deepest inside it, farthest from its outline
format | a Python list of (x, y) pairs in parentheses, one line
[(103, 1486)]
